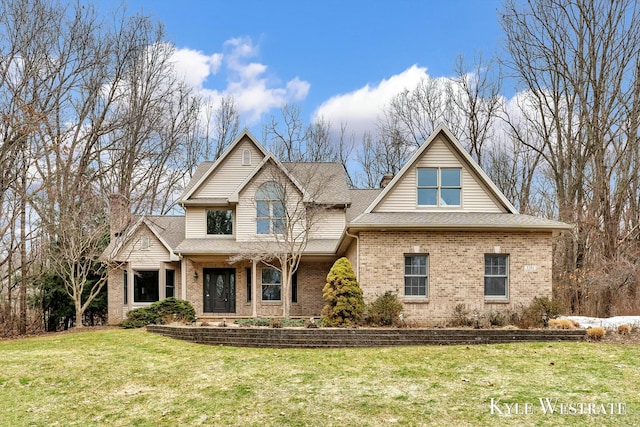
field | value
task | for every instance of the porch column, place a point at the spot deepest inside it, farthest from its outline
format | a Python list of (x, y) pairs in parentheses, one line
[(183, 279), (254, 293), (130, 285)]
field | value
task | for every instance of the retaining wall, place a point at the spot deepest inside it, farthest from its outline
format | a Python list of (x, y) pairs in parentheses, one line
[(338, 338)]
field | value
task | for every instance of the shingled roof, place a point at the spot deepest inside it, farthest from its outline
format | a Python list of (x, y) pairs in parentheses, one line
[(326, 182), (454, 220)]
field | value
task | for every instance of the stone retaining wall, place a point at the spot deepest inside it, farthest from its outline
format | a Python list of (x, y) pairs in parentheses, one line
[(338, 338)]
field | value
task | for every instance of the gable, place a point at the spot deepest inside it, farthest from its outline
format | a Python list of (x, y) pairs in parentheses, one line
[(136, 251), (403, 197), (246, 209), (442, 150), (230, 172)]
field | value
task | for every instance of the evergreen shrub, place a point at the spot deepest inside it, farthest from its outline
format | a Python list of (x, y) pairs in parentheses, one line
[(344, 304), (384, 311), (168, 310)]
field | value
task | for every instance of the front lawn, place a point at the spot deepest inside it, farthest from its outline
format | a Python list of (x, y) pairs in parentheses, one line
[(119, 377)]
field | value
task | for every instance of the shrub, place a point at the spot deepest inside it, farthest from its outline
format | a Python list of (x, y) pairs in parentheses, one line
[(140, 317), (497, 318), (461, 316), (384, 311), (562, 323), (264, 321), (276, 323), (595, 334), (174, 310), (310, 323), (533, 313), (160, 312), (624, 329), (344, 303)]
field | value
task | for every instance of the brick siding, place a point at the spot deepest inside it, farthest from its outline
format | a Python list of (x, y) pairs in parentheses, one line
[(455, 269)]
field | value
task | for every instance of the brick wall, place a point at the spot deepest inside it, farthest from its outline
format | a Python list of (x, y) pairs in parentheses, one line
[(311, 280), (456, 269), (115, 296)]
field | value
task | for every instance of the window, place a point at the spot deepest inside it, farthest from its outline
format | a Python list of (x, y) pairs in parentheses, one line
[(248, 275), (271, 284), (170, 283), (270, 211), (125, 286), (496, 276), (439, 186), (415, 276), (294, 287), (145, 286), (220, 222), (246, 157)]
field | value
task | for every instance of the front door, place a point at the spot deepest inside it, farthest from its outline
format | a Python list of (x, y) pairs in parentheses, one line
[(219, 290)]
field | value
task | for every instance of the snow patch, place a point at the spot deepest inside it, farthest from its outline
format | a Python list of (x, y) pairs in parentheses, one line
[(607, 323)]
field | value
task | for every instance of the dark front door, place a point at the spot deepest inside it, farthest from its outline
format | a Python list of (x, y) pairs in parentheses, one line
[(219, 290)]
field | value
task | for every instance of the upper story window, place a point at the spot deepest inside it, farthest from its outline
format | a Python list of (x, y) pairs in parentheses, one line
[(246, 157), (219, 222), (439, 186), (270, 210)]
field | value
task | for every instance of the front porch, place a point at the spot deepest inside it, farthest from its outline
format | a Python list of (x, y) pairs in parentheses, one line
[(219, 289)]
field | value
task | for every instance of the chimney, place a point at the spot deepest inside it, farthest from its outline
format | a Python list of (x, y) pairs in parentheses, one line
[(386, 179), (119, 214)]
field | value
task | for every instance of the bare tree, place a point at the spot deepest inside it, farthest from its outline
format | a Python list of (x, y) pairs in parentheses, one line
[(286, 139), (220, 127), (476, 94), (578, 61)]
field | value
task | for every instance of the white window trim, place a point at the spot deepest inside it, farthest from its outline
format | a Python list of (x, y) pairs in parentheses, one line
[(246, 157), (439, 187), (507, 277), (426, 276), (145, 243)]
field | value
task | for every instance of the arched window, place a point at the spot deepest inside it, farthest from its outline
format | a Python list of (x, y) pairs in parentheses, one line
[(270, 211)]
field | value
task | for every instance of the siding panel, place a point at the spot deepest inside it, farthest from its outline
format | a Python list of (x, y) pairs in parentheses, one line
[(403, 196), (230, 173), (152, 257)]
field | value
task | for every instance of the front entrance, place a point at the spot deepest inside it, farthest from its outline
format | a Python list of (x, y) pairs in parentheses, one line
[(219, 290)]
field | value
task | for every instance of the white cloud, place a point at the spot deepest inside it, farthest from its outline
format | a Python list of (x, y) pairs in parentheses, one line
[(194, 66), (255, 90), (361, 108)]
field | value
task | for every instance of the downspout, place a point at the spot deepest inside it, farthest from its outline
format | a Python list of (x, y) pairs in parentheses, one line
[(355, 236)]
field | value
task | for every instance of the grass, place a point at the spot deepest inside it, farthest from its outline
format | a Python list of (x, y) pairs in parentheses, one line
[(133, 378)]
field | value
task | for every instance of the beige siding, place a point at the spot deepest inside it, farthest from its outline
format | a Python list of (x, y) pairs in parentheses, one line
[(151, 257), (196, 221), (328, 224), (230, 173), (403, 196), (246, 209)]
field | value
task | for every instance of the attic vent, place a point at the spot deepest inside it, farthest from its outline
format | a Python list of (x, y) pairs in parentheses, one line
[(246, 157), (145, 243)]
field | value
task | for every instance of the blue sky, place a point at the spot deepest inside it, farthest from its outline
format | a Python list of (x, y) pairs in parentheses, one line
[(337, 59)]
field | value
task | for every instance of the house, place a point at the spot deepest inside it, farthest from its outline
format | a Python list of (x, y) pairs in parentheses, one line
[(439, 233)]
